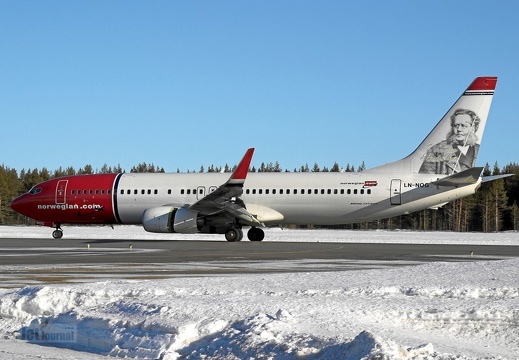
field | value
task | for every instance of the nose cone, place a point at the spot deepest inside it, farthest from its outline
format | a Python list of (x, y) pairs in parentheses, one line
[(18, 204)]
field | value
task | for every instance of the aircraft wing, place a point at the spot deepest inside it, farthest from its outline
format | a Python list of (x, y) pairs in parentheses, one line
[(225, 199)]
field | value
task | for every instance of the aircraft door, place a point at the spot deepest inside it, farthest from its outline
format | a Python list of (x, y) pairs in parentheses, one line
[(200, 192), (396, 192), (61, 192)]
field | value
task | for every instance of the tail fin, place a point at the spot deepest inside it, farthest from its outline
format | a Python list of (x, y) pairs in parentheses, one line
[(452, 146)]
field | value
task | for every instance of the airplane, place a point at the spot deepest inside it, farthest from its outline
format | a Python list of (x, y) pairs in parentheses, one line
[(440, 170)]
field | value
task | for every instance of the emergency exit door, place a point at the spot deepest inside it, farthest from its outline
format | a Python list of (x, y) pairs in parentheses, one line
[(396, 192)]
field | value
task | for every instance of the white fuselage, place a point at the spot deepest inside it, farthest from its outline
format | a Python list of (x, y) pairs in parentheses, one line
[(293, 198)]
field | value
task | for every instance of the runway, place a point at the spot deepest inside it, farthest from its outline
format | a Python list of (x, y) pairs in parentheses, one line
[(30, 261)]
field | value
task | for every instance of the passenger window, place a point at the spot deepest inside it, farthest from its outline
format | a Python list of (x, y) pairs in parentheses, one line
[(182, 192), (303, 191), (260, 191), (169, 191), (129, 192), (342, 191), (362, 191), (254, 191), (369, 191), (72, 192), (295, 191), (355, 191), (149, 191), (155, 191), (322, 191), (316, 191), (247, 191), (329, 191), (349, 191), (267, 191), (281, 191), (143, 191), (122, 192), (274, 191)]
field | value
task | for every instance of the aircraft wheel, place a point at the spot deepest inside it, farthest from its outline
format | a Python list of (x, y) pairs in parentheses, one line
[(234, 234), (57, 234), (255, 234)]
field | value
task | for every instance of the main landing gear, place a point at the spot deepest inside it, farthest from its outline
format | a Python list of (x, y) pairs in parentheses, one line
[(234, 234), (58, 233)]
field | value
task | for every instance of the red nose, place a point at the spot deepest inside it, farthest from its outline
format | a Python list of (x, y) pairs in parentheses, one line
[(18, 204)]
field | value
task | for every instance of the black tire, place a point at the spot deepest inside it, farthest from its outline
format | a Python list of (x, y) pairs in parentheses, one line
[(233, 234), (255, 234), (57, 234)]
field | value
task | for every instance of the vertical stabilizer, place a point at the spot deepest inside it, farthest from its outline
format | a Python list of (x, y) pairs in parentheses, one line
[(453, 145)]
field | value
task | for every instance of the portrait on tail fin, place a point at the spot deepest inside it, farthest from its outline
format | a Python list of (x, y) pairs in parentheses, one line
[(459, 150)]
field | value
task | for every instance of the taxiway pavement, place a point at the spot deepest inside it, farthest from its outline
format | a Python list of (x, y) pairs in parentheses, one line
[(34, 261)]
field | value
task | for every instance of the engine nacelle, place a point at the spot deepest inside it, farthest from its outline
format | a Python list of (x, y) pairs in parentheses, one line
[(165, 219)]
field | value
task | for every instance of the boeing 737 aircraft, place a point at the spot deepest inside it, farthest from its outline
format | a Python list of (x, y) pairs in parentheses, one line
[(440, 170)]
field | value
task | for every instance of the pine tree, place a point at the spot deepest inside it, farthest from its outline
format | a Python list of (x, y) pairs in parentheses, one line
[(498, 199)]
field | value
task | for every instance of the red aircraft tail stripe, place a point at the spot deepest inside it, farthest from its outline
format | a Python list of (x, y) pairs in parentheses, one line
[(487, 83)]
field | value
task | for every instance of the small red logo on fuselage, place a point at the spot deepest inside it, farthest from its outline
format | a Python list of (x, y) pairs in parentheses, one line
[(370, 183)]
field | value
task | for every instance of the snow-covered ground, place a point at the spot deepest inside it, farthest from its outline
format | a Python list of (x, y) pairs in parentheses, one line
[(454, 310), (271, 234)]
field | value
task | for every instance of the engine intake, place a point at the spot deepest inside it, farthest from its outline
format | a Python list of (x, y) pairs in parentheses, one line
[(166, 219)]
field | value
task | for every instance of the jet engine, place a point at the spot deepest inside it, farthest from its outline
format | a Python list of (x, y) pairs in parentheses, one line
[(165, 219)]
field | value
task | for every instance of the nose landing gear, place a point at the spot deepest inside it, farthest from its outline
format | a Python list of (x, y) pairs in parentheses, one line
[(58, 233)]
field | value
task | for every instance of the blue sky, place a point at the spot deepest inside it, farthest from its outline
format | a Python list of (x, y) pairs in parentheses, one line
[(188, 83)]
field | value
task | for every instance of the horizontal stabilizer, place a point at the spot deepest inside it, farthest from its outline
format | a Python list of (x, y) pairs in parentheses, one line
[(467, 177), (495, 177)]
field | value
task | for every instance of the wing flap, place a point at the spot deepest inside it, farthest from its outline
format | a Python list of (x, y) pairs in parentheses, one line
[(265, 214)]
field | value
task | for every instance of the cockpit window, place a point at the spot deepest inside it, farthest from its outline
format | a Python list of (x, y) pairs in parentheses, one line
[(35, 190)]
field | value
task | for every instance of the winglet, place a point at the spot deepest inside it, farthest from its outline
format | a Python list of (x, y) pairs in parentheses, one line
[(239, 175)]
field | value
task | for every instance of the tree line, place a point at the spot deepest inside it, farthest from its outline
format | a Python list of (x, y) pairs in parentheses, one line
[(494, 207)]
